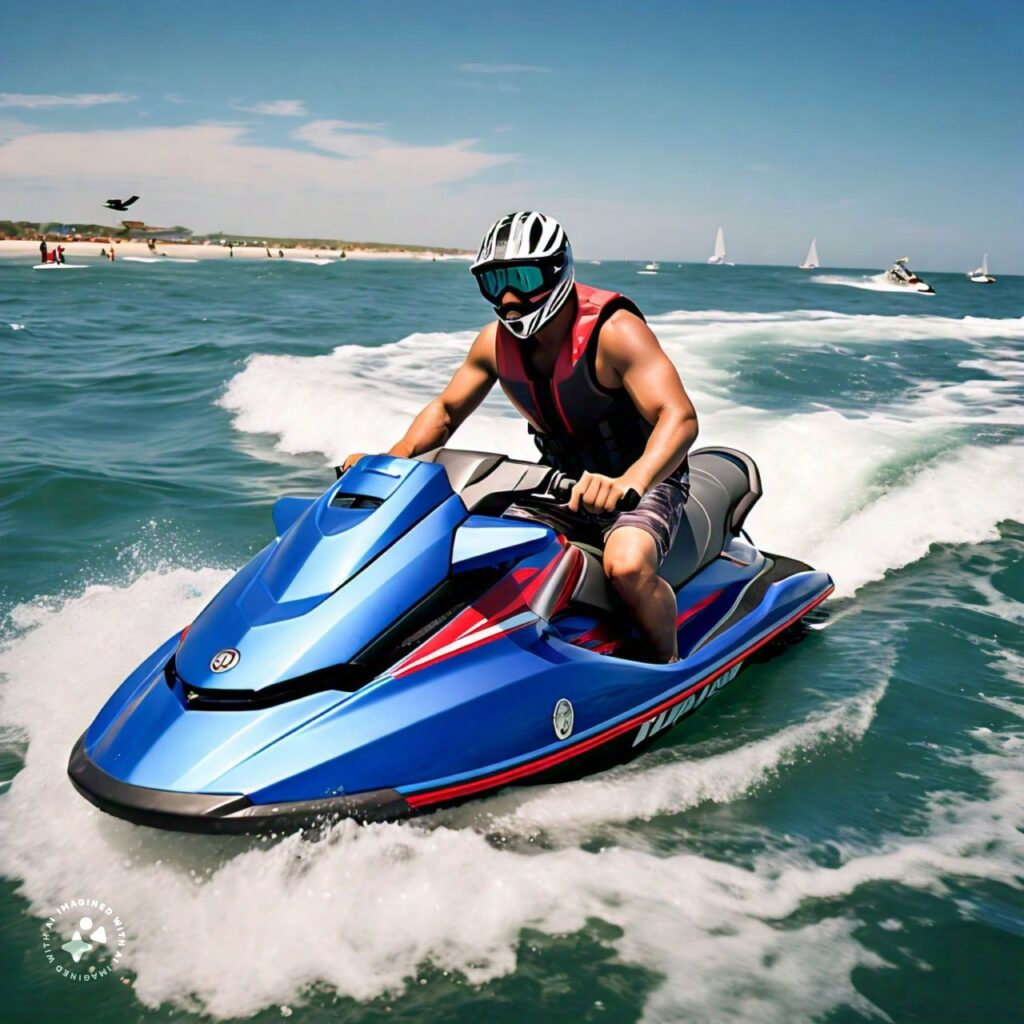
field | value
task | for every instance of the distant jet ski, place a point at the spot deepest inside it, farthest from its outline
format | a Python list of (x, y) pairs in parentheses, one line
[(901, 274), (120, 204)]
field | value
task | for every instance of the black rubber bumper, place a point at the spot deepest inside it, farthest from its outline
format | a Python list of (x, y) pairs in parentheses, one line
[(223, 813)]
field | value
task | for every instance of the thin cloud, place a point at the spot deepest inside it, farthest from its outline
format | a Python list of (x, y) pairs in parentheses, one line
[(275, 108), (504, 69), (45, 101), (353, 185), (224, 156)]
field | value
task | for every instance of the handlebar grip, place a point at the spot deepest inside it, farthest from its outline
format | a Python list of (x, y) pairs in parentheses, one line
[(561, 489), (628, 501)]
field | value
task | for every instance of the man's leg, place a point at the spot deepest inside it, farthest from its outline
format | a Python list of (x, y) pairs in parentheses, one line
[(631, 564)]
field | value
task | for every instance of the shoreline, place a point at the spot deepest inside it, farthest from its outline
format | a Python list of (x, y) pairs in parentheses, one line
[(29, 249)]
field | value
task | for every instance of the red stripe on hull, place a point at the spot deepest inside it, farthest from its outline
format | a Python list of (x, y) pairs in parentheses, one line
[(703, 603), (426, 799)]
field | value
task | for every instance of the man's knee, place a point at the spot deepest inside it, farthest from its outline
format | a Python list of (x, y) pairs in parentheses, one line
[(628, 565)]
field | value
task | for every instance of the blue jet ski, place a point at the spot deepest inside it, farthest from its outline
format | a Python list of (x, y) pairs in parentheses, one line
[(400, 647)]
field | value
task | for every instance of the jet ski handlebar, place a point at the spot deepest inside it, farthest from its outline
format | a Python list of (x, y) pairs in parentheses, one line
[(488, 483), (560, 489)]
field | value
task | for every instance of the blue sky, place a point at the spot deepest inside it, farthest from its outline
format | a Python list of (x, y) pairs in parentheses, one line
[(642, 126)]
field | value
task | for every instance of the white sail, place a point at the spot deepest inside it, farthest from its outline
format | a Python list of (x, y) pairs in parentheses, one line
[(981, 274), (719, 255), (811, 263)]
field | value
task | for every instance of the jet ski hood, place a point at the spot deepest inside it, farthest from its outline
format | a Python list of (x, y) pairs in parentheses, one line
[(373, 544)]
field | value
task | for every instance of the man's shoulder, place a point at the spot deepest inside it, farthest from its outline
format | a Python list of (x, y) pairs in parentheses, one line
[(620, 322), (625, 338), (485, 345)]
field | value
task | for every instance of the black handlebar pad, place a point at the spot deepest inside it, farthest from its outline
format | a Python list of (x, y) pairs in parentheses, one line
[(561, 489)]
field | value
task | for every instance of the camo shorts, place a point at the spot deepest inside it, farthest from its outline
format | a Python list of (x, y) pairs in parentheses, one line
[(659, 514)]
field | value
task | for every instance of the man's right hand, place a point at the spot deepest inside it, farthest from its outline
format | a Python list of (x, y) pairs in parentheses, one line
[(351, 460)]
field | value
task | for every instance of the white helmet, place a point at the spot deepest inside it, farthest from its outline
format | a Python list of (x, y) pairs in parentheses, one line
[(529, 255)]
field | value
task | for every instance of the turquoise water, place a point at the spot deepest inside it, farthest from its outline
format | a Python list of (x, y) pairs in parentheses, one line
[(837, 839)]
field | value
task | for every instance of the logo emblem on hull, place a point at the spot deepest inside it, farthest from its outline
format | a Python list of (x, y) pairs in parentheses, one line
[(224, 661), (563, 718)]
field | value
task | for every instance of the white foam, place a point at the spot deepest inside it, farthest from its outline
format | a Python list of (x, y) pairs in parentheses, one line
[(628, 795), (361, 399), (363, 909), (821, 327), (873, 283), (957, 501), (823, 469)]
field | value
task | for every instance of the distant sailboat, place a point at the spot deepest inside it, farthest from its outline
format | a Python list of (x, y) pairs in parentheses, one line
[(980, 275), (718, 259), (811, 263)]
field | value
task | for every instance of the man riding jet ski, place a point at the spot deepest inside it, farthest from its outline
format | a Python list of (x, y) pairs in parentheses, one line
[(604, 404), (441, 624), (901, 274)]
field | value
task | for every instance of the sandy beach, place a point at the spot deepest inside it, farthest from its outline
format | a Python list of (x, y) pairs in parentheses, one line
[(29, 250)]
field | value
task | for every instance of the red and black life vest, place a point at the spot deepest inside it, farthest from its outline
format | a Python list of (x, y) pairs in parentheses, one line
[(576, 422)]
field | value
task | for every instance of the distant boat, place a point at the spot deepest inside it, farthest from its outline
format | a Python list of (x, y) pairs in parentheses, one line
[(980, 275), (718, 258), (811, 263), (650, 268)]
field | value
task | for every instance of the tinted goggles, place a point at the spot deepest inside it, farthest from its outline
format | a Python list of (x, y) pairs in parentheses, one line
[(524, 280)]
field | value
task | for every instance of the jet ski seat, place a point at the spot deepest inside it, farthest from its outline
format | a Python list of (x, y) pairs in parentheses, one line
[(724, 486)]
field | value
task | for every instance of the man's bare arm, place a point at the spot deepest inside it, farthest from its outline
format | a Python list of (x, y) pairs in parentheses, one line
[(630, 356), (652, 381), (442, 416)]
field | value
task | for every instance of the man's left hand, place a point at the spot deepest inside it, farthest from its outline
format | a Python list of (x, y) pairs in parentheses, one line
[(598, 493)]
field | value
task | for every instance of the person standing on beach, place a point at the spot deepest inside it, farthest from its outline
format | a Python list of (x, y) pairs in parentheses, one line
[(60, 253), (42, 251)]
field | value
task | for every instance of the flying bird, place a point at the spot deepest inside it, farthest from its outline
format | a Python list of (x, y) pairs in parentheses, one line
[(120, 204)]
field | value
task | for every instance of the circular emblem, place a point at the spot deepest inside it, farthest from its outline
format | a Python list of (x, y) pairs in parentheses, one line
[(562, 719), (95, 940), (224, 660)]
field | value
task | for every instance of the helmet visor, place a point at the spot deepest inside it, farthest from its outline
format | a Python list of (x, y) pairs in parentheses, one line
[(524, 280)]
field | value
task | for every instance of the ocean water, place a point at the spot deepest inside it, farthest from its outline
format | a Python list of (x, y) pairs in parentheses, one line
[(837, 839)]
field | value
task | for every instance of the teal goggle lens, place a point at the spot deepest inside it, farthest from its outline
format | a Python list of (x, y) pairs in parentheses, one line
[(524, 280)]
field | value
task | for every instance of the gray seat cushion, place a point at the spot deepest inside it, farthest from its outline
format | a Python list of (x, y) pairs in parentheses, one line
[(724, 485)]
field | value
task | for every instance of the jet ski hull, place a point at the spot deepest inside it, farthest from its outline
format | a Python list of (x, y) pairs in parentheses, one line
[(914, 284), (519, 679), (616, 743)]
